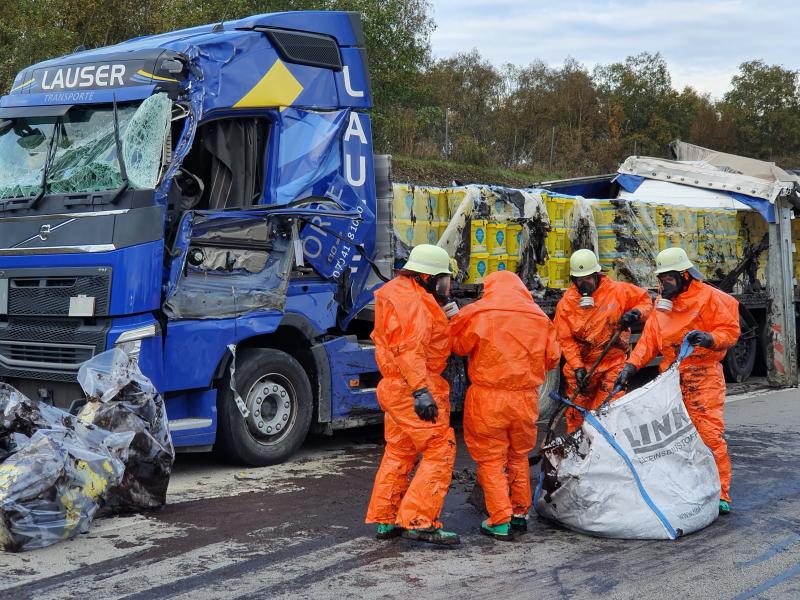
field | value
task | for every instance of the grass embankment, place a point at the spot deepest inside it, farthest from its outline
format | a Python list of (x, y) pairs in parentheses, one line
[(442, 173)]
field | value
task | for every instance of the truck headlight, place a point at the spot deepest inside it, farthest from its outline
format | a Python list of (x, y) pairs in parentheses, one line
[(130, 341)]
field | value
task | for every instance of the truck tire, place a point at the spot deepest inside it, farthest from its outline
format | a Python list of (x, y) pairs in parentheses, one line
[(276, 390), (739, 361), (547, 406)]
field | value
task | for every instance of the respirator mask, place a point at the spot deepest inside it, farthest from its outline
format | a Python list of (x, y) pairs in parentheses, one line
[(671, 285), (586, 286), (438, 286)]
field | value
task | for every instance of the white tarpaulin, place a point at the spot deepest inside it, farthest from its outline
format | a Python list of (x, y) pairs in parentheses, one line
[(703, 174), (638, 471)]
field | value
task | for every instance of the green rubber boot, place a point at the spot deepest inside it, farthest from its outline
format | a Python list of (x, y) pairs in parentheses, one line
[(519, 524), (432, 535), (499, 532), (387, 531), (724, 507)]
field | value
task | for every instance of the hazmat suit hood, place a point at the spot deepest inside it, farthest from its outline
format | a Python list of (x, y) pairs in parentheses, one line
[(504, 290)]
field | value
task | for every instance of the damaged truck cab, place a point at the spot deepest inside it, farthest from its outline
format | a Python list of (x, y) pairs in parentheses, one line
[(206, 200)]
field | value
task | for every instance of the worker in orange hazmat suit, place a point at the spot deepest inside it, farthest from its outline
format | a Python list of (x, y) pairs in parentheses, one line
[(587, 316), (685, 305), (412, 345), (511, 344)]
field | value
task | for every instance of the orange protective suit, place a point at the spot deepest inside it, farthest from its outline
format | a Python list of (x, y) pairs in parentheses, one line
[(711, 310), (584, 332), (511, 345), (412, 345)]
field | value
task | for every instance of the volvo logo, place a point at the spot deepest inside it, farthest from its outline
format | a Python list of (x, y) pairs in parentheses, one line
[(44, 231)]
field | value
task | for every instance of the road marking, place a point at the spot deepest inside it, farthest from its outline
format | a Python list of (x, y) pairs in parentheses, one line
[(769, 583)]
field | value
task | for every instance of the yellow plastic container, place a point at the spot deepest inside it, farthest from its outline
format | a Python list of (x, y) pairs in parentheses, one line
[(430, 204), (705, 219), (455, 196), (731, 223), (442, 227), (689, 220), (645, 214), (686, 220), (513, 261), (496, 238), (478, 267), (432, 232), (669, 218), (500, 209), (558, 244), (402, 202), (670, 240), (710, 246), (405, 231), (513, 239), (604, 213), (609, 268), (558, 209), (558, 271), (690, 244), (498, 262), (413, 234), (607, 245), (478, 237)]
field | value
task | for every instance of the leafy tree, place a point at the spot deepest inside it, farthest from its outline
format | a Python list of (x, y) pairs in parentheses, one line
[(764, 109)]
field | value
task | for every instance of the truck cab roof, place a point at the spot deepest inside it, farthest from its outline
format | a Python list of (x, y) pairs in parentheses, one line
[(309, 59)]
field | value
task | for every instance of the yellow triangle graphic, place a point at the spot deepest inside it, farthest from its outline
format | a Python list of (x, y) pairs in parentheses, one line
[(277, 88)]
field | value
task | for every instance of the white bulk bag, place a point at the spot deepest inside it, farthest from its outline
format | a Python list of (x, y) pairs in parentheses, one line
[(638, 470)]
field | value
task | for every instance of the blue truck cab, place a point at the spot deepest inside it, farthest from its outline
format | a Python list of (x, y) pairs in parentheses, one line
[(204, 199)]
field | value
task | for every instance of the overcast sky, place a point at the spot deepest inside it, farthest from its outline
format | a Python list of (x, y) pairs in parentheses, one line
[(702, 42)]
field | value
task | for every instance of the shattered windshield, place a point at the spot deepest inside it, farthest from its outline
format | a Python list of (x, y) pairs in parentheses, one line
[(79, 150)]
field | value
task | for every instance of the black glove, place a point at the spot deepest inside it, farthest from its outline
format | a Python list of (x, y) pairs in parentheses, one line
[(622, 379), (700, 338), (581, 379), (425, 405), (629, 318)]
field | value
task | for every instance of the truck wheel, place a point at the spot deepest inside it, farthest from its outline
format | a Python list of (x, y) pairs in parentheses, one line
[(547, 406), (276, 390), (739, 361)]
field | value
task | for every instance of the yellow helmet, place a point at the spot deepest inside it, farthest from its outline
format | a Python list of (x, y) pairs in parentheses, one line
[(673, 259), (582, 263), (428, 259)]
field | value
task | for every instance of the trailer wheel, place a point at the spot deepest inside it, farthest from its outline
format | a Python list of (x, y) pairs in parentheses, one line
[(741, 358), (277, 392)]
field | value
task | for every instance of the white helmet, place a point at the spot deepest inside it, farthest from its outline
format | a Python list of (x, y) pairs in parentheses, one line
[(675, 259), (583, 263), (428, 259)]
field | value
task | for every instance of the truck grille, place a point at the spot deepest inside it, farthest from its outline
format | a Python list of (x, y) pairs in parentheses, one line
[(42, 355), (49, 296), (49, 349)]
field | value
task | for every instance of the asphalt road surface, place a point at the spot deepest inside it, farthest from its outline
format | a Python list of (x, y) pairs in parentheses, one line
[(297, 531)]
